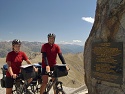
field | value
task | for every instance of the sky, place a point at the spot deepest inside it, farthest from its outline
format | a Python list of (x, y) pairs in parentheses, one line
[(31, 20)]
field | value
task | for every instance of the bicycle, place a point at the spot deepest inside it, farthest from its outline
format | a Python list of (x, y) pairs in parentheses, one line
[(21, 84), (56, 82), (34, 86), (59, 71), (21, 87)]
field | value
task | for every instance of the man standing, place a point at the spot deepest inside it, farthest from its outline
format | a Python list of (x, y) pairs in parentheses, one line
[(49, 53)]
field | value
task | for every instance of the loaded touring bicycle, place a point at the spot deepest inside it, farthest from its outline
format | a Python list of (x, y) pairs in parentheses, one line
[(22, 85)]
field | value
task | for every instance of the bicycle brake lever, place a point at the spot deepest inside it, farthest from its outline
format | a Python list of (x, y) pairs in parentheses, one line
[(49, 73)]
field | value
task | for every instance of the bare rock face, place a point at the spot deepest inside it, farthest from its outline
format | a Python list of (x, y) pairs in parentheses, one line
[(109, 26)]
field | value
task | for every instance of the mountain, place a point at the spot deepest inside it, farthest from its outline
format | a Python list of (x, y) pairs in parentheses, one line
[(71, 48), (71, 53), (32, 48)]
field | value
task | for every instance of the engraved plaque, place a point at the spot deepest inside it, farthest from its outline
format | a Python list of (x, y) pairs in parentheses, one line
[(107, 62)]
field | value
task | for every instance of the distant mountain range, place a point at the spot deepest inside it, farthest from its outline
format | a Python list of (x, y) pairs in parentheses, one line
[(71, 53), (35, 47)]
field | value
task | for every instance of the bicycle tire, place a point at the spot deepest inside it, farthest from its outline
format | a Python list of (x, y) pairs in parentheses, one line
[(19, 89), (35, 88)]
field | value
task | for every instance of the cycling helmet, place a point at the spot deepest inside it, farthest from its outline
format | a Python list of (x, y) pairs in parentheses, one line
[(16, 41), (51, 35)]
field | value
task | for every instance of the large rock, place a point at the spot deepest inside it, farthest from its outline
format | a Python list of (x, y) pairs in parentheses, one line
[(109, 26)]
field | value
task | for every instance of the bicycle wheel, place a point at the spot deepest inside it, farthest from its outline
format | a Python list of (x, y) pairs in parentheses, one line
[(19, 89), (34, 89)]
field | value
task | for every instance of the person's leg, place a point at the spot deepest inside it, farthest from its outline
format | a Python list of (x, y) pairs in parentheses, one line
[(9, 85), (8, 90), (44, 83)]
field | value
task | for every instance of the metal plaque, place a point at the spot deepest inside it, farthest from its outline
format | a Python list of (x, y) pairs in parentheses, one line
[(107, 62)]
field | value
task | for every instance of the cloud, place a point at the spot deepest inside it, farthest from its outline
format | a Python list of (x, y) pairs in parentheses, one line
[(65, 42), (77, 41), (72, 42), (88, 19)]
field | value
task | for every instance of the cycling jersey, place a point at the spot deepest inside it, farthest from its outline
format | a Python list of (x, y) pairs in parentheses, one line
[(16, 60), (51, 52)]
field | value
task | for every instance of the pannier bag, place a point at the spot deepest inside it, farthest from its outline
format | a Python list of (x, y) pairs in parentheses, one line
[(2, 83), (4, 69), (27, 72), (37, 65), (38, 74), (60, 70)]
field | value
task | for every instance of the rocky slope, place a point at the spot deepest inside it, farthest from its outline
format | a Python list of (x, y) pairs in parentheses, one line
[(109, 26)]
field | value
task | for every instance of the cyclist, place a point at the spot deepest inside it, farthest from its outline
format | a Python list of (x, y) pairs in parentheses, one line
[(14, 61), (49, 53)]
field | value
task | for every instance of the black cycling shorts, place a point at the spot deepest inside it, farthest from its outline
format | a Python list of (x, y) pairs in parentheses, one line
[(44, 70), (9, 82)]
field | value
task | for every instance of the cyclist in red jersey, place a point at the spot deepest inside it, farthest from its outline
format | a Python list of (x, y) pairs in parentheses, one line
[(49, 53), (14, 61)]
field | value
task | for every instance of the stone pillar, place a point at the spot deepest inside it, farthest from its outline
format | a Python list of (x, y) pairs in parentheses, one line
[(109, 27)]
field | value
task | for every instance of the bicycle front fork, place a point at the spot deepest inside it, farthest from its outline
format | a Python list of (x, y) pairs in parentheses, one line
[(59, 85)]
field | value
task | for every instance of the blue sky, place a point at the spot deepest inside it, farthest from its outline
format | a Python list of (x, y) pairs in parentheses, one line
[(32, 20)]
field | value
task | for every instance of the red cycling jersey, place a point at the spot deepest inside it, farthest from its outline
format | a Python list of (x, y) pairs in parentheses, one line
[(16, 60), (51, 52)]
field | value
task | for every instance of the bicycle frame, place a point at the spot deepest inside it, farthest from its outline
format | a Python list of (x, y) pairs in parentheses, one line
[(21, 87), (58, 86), (33, 86), (50, 84)]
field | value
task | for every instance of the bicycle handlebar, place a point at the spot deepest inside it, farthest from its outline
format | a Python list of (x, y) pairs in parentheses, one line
[(19, 76), (50, 74)]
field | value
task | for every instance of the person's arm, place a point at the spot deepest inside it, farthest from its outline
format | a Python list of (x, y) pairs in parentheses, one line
[(60, 55), (26, 58), (10, 68), (45, 58), (46, 61), (61, 58), (8, 61), (28, 61)]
